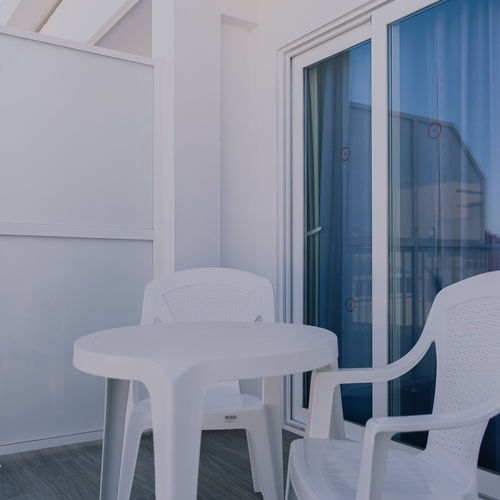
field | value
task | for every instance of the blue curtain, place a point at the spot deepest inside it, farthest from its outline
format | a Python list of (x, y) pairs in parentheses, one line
[(338, 211)]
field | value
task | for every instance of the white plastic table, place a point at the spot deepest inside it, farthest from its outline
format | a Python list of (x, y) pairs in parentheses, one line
[(177, 363)]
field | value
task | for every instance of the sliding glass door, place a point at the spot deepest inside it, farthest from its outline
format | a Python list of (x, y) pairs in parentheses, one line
[(395, 164)]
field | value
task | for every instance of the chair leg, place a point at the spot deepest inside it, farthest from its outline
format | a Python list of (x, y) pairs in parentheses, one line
[(131, 443), (289, 491), (254, 464), (259, 446)]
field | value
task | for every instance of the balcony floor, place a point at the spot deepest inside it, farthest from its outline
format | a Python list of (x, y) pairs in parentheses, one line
[(72, 472)]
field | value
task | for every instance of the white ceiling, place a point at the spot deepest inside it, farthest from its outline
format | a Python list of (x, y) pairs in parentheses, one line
[(83, 21)]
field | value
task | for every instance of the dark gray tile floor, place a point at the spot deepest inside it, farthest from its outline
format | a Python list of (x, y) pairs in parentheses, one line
[(72, 472)]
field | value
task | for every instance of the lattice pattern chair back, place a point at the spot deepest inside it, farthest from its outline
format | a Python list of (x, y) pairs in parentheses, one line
[(209, 294), (207, 302), (470, 353)]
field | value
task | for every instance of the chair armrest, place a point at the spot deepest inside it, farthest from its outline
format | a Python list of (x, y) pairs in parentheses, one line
[(417, 423), (379, 431), (325, 414)]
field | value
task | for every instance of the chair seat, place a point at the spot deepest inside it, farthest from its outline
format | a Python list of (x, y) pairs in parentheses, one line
[(328, 469), (224, 396)]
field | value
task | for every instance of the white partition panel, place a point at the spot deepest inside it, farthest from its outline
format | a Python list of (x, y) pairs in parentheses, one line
[(76, 136), (76, 226), (54, 290)]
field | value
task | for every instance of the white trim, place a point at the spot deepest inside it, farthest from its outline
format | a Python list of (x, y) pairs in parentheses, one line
[(299, 431), (68, 44), (41, 444), (59, 231), (163, 49), (380, 231), (163, 183), (283, 247), (333, 28)]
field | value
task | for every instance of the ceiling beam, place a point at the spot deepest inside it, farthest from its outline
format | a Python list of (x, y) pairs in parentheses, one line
[(29, 15), (7, 8), (85, 21)]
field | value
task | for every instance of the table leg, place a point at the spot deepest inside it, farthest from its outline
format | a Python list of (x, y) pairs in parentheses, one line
[(114, 423), (177, 411), (271, 397)]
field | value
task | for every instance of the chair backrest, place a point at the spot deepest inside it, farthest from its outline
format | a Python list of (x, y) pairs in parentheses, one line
[(208, 294), (464, 324)]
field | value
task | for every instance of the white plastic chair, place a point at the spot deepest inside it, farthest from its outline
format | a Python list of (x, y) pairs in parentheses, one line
[(464, 325), (210, 294)]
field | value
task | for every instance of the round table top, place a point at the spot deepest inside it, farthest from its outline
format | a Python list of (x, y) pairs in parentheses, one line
[(246, 349)]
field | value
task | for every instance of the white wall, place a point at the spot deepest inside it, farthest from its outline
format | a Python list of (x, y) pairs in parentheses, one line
[(186, 36), (197, 133)]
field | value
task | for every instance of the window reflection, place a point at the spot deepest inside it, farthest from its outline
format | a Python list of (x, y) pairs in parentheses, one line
[(444, 225)]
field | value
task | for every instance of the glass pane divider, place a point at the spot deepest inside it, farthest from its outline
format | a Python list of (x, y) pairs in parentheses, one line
[(67, 231), (380, 231)]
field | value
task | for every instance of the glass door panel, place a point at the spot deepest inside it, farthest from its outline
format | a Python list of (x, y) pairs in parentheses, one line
[(444, 104), (337, 254)]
